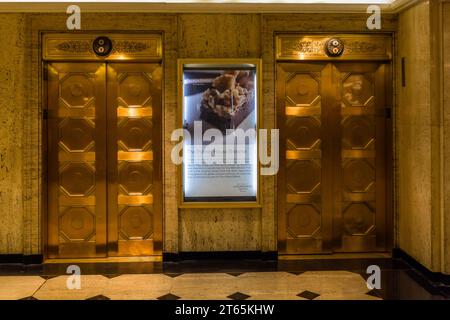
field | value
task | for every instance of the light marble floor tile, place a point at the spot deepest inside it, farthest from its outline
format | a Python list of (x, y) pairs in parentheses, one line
[(17, 287), (198, 285), (269, 282), (138, 286), (56, 288), (334, 285), (211, 286), (347, 297), (275, 296), (338, 283)]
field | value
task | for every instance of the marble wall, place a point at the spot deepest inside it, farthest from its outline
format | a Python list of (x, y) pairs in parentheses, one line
[(13, 105), (446, 108), (225, 36), (219, 36), (423, 135), (413, 134)]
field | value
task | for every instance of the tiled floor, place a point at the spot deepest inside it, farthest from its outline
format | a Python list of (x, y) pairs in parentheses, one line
[(261, 280), (193, 286)]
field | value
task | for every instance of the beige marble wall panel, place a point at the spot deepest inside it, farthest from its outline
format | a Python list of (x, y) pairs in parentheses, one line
[(220, 36), (12, 109), (220, 230), (414, 135), (185, 35), (446, 93)]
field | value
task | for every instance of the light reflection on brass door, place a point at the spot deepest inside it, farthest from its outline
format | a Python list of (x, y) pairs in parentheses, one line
[(104, 138), (332, 178), (76, 160)]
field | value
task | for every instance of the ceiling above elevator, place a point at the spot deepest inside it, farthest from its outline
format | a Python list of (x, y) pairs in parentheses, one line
[(182, 6)]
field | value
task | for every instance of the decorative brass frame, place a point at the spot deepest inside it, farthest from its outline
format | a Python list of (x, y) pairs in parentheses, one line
[(125, 47), (312, 47), (219, 63)]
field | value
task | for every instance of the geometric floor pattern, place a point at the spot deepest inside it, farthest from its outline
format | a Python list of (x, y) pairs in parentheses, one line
[(309, 285)]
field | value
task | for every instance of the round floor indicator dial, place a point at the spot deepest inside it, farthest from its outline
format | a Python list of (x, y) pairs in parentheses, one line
[(334, 47), (102, 46)]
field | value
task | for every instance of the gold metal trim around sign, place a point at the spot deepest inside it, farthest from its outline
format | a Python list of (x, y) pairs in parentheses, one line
[(125, 46)]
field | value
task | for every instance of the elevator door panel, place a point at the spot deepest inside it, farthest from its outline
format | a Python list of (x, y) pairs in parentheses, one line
[(77, 175), (104, 159), (360, 219), (332, 178), (134, 104), (304, 221)]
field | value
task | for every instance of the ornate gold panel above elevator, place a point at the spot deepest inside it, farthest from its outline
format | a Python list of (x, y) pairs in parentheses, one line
[(104, 100), (333, 106)]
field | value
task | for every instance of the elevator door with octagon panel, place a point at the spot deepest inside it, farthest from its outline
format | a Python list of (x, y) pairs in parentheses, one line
[(103, 160), (332, 178)]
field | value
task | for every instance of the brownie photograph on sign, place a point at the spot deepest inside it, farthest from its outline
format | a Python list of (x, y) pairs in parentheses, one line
[(221, 99)]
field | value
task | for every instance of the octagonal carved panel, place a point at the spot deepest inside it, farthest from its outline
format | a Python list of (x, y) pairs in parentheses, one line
[(359, 218), (77, 224), (135, 178), (134, 89), (303, 220), (359, 175), (303, 132), (76, 135), (135, 134), (77, 179), (302, 89), (358, 132), (136, 222), (77, 90), (303, 176), (357, 90)]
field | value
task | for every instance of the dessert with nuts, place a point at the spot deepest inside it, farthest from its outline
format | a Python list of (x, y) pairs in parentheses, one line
[(229, 100)]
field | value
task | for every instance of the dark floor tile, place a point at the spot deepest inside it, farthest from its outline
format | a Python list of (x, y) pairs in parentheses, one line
[(406, 285), (308, 295), (222, 266), (173, 275), (374, 293), (48, 277), (29, 298), (445, 291), (168, 296), (110, 276), (238, 296), (235, 274), (99, 297), (296, 272)]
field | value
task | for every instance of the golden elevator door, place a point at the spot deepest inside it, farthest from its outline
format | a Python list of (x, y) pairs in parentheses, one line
[(332, 178), (76, 160), (134, 153), (104, 133)]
